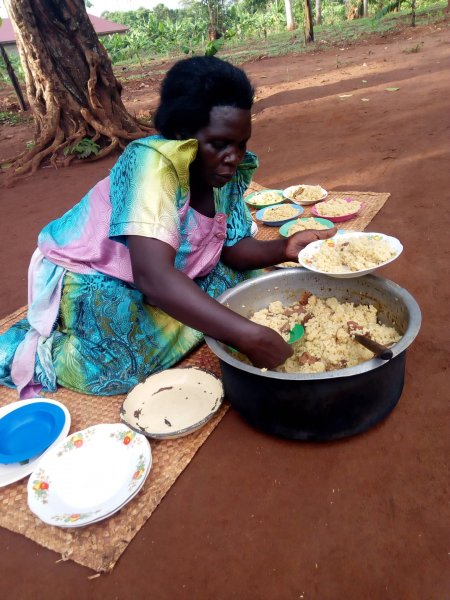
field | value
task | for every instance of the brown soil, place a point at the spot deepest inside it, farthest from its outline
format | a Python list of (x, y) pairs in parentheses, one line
[(255, 517)]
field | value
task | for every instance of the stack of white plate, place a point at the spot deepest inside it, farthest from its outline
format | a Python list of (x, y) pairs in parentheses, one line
[(29, 429), (89, 476)]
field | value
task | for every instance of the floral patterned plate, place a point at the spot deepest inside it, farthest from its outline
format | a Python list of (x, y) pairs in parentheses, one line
[(89, 476)]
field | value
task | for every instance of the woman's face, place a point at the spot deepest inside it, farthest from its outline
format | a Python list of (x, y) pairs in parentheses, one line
[(221, 145)]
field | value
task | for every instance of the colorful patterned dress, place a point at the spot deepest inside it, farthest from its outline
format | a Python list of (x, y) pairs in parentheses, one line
[(88, 328)]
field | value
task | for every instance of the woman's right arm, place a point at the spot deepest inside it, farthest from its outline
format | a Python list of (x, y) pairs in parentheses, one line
[(172, 291)]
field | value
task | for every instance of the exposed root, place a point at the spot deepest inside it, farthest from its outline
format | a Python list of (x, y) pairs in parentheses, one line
[(110, 131), (52, 142), (59, 130), (105, 151)]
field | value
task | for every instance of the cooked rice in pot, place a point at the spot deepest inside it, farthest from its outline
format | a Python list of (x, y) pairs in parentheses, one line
[(327, 344)]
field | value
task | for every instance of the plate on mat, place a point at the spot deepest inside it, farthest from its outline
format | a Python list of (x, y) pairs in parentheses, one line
[(28, 430), (264, 198), (338, 210), (292, 227), (305, 194), (89, 475), (274, 216), (16, 471), (173, 403)]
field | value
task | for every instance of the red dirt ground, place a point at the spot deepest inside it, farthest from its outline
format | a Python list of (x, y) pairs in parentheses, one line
[(254, 517)]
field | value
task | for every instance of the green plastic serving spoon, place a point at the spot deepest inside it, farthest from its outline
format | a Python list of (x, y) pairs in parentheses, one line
[(297, 332)]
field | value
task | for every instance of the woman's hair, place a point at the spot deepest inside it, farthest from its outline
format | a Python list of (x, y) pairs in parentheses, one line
[(192, 87)]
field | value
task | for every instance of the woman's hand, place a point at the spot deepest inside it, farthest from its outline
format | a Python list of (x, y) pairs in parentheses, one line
[(264, 347), (299, 240), (256, 254), (172, 291)]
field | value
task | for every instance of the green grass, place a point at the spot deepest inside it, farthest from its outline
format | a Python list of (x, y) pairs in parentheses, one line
[(8, 117), (326, 36)]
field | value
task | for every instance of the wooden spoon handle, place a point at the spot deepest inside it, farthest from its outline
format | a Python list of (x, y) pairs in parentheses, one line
[(379, 350)]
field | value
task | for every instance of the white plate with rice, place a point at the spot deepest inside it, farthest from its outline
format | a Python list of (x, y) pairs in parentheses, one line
[(352, 254), (305, 194)]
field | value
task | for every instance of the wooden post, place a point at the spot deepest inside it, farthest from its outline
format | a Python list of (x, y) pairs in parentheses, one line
[(13, 78)]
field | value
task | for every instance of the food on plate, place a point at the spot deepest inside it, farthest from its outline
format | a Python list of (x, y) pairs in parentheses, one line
[(307, 193), (328, 343), (265, 198), (280, 213), (351, 254), (308, 223), (338, 207)]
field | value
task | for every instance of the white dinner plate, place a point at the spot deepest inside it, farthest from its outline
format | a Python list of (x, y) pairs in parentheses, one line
[(306, 255), (289, 191), (173, 403), (75, 523), (16, 471), (89, 475)]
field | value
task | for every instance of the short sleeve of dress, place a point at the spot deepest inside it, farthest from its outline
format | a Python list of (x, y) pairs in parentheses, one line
[(239, 219), (148, 185)]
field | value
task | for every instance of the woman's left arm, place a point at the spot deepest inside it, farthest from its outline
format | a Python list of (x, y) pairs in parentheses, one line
[(249, 253)]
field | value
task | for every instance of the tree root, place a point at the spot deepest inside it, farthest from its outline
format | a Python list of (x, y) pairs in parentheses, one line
[(52, 142)]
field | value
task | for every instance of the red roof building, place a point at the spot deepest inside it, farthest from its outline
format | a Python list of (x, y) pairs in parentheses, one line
[(101, 26)]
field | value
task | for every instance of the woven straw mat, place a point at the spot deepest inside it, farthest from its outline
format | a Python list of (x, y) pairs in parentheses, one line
[(99, 546)]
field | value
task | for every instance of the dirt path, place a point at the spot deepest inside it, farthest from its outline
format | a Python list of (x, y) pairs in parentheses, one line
[(363, 518)]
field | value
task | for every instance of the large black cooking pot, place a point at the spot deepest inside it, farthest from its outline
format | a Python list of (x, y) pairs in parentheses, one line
[(319, 406)]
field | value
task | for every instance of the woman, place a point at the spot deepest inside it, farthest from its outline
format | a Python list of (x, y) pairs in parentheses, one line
[(123, 285)]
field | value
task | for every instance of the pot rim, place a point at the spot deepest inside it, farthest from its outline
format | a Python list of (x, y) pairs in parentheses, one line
[(415, 319)]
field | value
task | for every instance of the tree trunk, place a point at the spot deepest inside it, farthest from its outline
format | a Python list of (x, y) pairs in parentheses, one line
[(319, 12), (366, 8), (309, 31), (213, 14), (13, 78), (413, 13), (290, 25), (70, 84)]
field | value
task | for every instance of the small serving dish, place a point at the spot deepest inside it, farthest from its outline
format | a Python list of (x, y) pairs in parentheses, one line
[(265, 215), (332, 204), (264, 198), (305, 194), (285, 230)]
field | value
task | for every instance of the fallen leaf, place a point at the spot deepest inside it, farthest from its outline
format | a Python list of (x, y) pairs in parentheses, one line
[(345, 95), (392, 89)]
